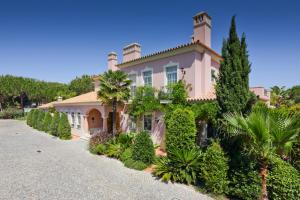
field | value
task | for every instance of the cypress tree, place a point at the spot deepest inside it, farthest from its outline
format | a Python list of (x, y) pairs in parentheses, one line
[(54, 124), (40, 120), (233, 83), (64, 128), (47, 122)]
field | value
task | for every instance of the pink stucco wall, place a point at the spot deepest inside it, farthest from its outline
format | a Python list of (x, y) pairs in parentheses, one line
[(262, 93), (197, 69)]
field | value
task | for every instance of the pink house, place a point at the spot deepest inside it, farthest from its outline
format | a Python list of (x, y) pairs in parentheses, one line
[(195, 62)]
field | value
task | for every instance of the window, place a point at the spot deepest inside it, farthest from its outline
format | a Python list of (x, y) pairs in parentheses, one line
[(73, 119), (148, 122), (213, 75), (171, 75), (265, 92), (132, 124), (147, 77), (78, 120), (132, 77)]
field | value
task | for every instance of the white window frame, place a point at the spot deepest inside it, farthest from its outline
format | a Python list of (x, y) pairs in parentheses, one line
[(151, 121), (170, 64), (213, 79), (78, 116), (136, 79), (73, 118), (147, 69)]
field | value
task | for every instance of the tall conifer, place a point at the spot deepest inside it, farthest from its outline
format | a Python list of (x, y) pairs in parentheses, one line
[(233, 83)]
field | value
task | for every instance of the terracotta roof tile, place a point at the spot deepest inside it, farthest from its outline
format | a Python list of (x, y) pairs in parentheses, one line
[(90, 97), (172, 49)]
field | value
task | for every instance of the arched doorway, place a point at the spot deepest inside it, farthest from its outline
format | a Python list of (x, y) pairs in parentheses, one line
[(95, 121)]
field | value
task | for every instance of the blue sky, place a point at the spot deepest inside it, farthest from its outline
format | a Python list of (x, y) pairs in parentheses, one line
[(57, 40)]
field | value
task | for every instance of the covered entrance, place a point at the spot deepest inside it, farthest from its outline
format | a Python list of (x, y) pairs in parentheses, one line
[(95, 121)]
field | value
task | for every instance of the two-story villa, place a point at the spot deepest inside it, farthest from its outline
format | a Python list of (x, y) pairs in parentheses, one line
[(196, 62)]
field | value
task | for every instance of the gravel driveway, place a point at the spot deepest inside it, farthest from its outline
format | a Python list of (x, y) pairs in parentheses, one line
[(34, 165)]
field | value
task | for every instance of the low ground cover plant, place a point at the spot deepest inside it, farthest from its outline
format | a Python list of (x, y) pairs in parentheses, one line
[(11, 113)]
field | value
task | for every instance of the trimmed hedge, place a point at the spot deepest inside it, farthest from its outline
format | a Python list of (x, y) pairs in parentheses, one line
[(35, 117), (29, 117), (283, 181), (214, 168), (64, 128), (40, 121), (54, 124), (181, 130), (47, 122), (143, 149)]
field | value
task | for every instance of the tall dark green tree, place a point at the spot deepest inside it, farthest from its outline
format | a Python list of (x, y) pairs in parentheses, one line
[(233, 83), (81, 85)]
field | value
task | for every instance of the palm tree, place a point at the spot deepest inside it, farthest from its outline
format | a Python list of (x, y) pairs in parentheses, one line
[(264, 132), (114, 89)]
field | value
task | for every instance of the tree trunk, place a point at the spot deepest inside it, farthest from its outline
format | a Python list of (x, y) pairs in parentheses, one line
[(114, 121), (263, 174)]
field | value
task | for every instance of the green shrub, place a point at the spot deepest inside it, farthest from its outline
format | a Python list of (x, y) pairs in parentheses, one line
[(11, 113), (245, 184), (181, 130), (101, 138), (214, 168), (54, 124), (40, 121), (114, 150), (64, 128), (35, 117), (127, 154), (125, 139), (100, 149), (134, 164), (47, 122), (180, 166), (283, 181), (143, 149), (29, 117)]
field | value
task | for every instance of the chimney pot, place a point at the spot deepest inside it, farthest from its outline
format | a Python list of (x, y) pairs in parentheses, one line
[(112, 61), (202, 28), (131, 52)]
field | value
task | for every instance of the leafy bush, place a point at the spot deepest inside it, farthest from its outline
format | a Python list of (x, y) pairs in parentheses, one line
[(47, 122), (64, 128), (245, 184), (214, 168), (127, 154), (114, 150), (134, 164), (11, 113), (143, 149), (29, 117), (35, 118), (180, 166), (283, 180), (40, 121), (295, 157), (54, 124), (181, 130), (125, 139), (100, 138), (100, 149)]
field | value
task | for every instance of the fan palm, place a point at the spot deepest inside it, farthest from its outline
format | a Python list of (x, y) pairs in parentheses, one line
[(264, 132), (114, 89)]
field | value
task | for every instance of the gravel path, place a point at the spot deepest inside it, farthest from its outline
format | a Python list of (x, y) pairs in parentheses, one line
[(34, 165)]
